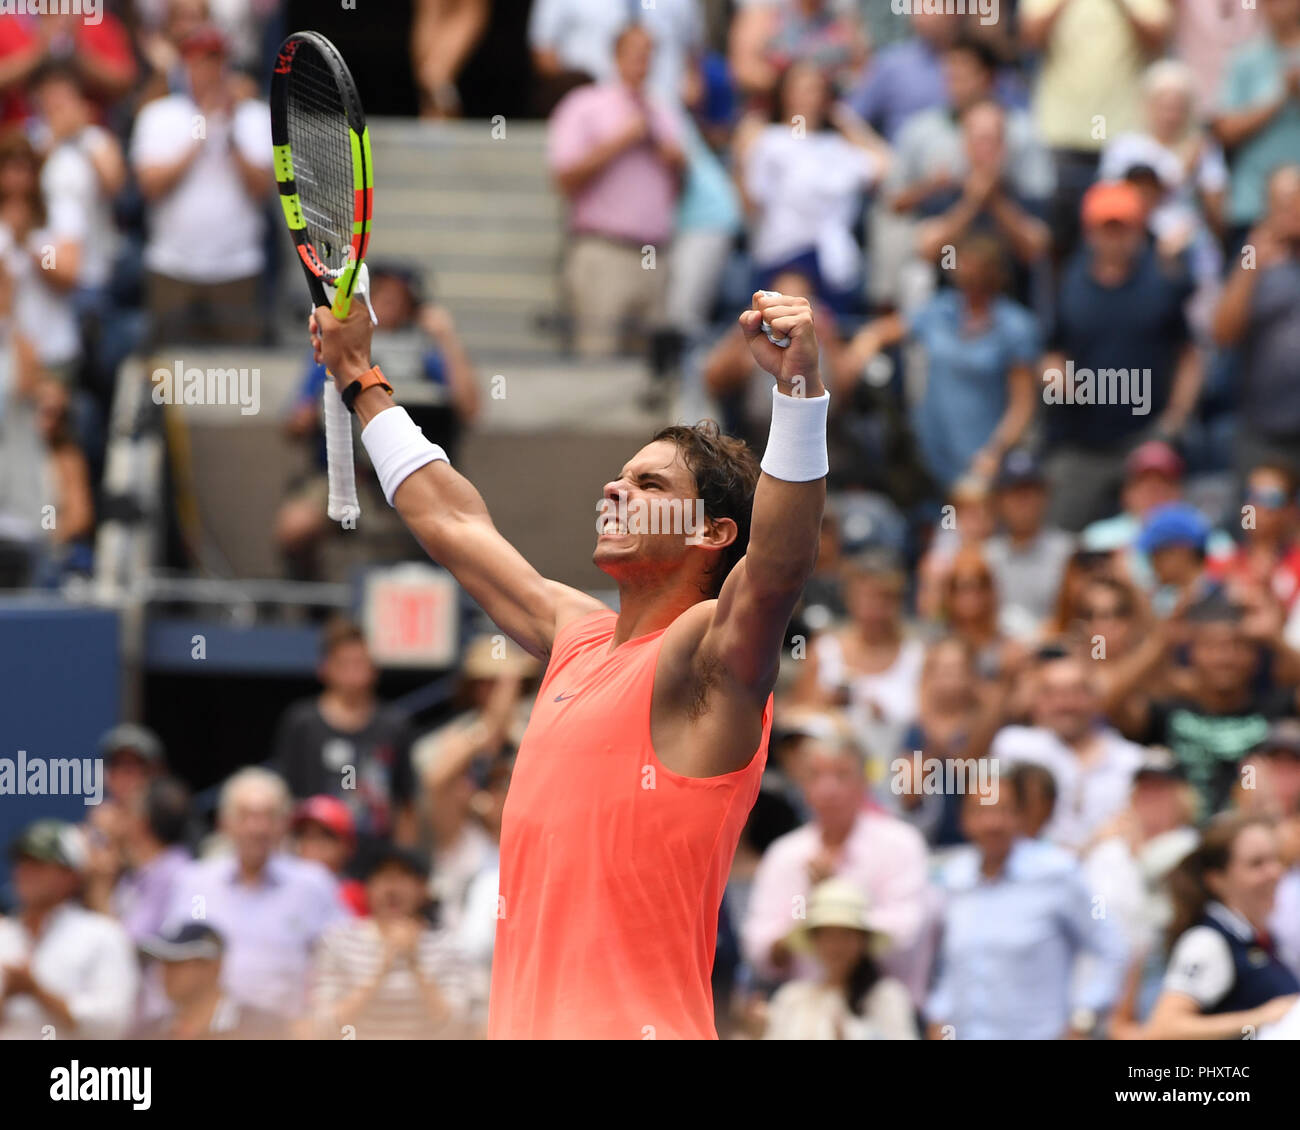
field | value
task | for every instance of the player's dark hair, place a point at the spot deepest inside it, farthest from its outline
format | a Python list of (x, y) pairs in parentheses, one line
[(167, 810), (726, 473)]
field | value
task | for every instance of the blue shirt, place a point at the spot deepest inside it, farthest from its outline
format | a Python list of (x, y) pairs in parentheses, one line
[(1138, 326), (906, 78), (1007, 962), (966, 377), (1255, 75)]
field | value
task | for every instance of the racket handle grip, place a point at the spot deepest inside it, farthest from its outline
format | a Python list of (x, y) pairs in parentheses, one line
[(343, 503), (779, 342)]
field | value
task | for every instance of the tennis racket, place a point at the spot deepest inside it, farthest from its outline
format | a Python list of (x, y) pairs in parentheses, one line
[(326, 179)]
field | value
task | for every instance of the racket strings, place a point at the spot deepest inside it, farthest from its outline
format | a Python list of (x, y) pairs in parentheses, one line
[(321, 144)]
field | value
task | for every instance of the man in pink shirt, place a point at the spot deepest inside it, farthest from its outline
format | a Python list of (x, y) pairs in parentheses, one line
[(615, 155), (849, 838)]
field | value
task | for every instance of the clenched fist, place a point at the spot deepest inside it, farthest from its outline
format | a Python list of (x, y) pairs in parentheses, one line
[(796, 367)]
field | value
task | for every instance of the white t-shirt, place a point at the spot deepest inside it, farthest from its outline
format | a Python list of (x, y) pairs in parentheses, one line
[(41, 314), (207, 229), (1085, 797), (808, 189), (87, 960), (77, 205)]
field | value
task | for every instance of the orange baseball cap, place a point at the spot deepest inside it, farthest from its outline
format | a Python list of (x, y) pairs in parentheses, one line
[(1111, 202)]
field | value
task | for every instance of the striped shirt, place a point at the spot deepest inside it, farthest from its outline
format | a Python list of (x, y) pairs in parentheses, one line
[(351, 955)]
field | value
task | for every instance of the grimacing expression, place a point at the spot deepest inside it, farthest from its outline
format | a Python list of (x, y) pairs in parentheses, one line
[(655, 481)]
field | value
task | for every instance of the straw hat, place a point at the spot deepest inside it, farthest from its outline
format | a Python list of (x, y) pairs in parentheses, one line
[(490, 656), (838, 902)]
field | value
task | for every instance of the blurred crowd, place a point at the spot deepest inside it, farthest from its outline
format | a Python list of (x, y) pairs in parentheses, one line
[(1035, 770)]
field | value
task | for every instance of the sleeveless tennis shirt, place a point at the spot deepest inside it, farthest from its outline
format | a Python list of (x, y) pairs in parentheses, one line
[(612, 865)]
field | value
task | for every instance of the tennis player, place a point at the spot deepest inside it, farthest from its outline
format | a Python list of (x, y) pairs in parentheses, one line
[(645, 747)]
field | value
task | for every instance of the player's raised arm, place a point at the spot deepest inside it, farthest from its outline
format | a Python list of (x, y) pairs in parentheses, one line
[(438, 504), (760, 594)]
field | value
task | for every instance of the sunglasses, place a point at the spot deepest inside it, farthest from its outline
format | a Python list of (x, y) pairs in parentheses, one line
[(1270, 498)]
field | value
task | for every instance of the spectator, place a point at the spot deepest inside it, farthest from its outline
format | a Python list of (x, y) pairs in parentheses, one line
[(1220, 710), (850, 1000), (1224, 980), (345, 743), (1285, 923), (583, 37), (966, 522), (1258, 119), (420, 349), (906, 77), (1121, 324), (444, 33), (959, 714), (769, 36), (804, 178), (1128, 868), (869, 666), (879, 854), (1035, 785), (269, 907), (191, 958), (99, 49), (1089, 88), (160, 42), (43, 266), (1174, 540), (1017, 920), (392, 976), (616, 155), (1188, 166), (1259, 312), (932, 161), (969, 610), (979, 348), (1269, 554), (198, 155), (65, 972), (324, 832), (985, 200), (82, 172), (1093, 765), (154, 854), (1027, 556), (1206, 33)]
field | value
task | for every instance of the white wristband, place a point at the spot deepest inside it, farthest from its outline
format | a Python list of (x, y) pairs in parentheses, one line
[(796, 445), (397, 448)]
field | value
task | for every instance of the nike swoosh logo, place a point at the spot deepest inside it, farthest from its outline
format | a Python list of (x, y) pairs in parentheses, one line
[(565, 697)]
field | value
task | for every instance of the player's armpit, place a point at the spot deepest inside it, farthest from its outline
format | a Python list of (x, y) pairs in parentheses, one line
[(448, 517)]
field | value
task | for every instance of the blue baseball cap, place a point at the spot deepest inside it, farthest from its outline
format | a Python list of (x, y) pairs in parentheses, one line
[(1177, 523)]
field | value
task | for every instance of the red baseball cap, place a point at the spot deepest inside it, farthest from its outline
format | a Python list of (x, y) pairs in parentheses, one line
[(1156, 457), (1111, 202), (207, 39), (330, 813)]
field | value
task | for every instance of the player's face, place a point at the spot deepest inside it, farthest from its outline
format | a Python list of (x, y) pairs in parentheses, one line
[(647, 515)]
